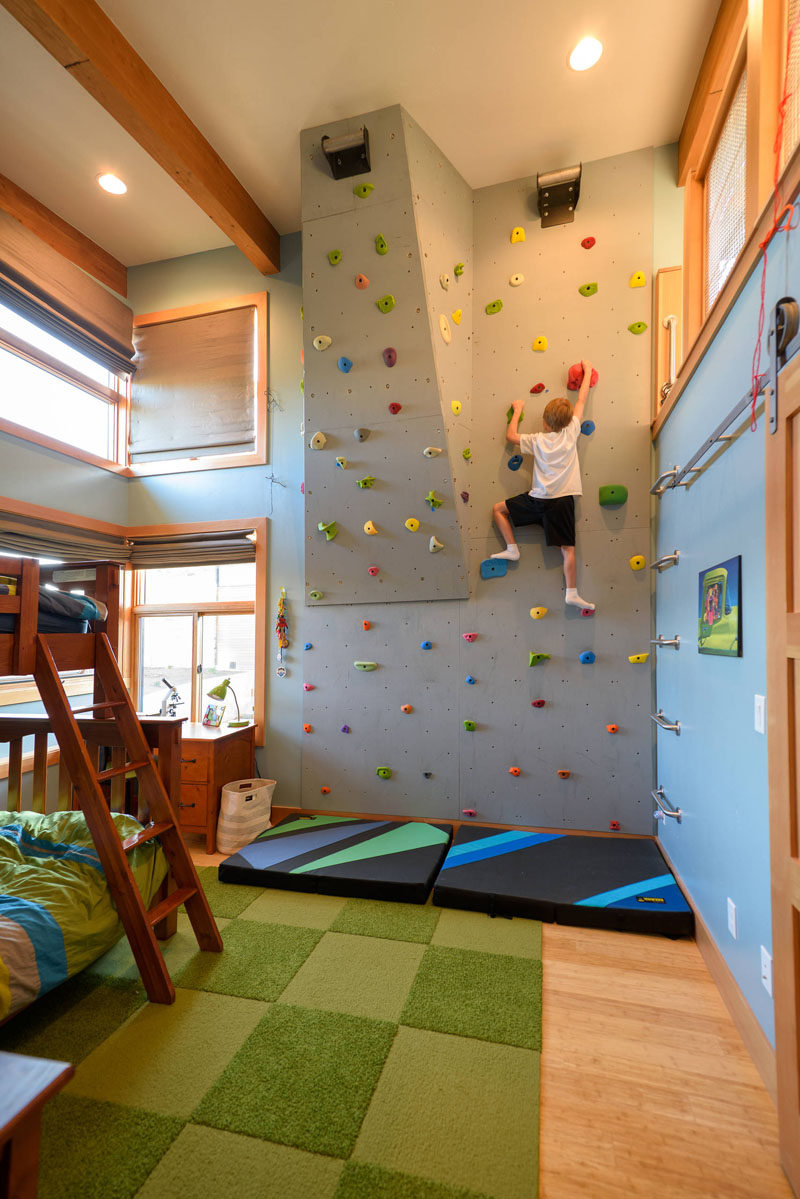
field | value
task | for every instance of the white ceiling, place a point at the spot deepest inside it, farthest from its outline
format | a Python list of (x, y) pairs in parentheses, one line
[(490, 85)]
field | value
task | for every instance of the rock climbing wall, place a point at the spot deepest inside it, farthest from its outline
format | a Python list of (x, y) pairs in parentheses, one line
[(407, 717)]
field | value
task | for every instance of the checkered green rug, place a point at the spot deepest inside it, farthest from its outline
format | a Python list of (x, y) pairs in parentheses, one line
[(338, 1049)]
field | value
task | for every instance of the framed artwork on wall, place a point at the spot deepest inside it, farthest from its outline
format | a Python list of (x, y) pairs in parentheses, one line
[(719, 616)]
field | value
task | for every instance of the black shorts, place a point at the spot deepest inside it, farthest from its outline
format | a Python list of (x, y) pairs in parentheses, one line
[(557, 517)]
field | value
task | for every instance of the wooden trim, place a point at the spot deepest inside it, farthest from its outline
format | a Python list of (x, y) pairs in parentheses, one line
[(712, 81), (667, 301), (70, 519), (89, 46), (197, 526), (694, 258), (12, 694), (61, 447), (765, 36), (182, 466), (206, 608), (23, 349), (63, 237), (27, 762)]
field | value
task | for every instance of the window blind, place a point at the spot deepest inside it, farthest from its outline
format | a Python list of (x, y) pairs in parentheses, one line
[(791, 126), (725, 196), (194, 391), (192, 549), (48, 539)]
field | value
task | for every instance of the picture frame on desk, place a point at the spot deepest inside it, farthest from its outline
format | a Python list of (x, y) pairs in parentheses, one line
[(212, 717)]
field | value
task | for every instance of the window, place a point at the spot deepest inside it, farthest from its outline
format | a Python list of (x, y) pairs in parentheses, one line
[(725, 196), (791, 127)]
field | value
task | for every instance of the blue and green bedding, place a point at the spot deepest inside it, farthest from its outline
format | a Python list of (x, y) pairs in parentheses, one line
[(56, 913), (59, 611)]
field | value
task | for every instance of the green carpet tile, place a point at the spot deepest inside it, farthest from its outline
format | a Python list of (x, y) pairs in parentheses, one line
[(336, 1049)]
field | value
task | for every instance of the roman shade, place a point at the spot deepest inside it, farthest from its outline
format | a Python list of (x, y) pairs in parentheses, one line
[(192, 549), (36, 538)]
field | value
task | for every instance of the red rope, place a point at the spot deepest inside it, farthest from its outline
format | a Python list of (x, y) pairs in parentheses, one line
[(778, 214)]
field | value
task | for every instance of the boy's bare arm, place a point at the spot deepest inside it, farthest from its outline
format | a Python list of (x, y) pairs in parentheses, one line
[(583, 392), (512, 432)]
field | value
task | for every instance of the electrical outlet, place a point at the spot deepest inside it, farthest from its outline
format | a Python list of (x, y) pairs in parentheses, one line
[(760, 713), (766, 970), (732, 918)]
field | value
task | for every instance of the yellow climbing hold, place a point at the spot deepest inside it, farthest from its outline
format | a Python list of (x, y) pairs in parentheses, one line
[(517, 234), (637, 279), (455, 407), (638, 657), (538, 613), (539, 344), (370, 529), (456, 316), (637, 562), (412, 524)]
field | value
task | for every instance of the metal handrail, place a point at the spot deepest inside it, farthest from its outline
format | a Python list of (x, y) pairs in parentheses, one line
[(670, 322), (659, 487), (662, 809), (660, 719), (665, 561), (662, 640)]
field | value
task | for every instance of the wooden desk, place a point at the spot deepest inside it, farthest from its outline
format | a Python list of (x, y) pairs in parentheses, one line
[(209, 759), (26, 1084)]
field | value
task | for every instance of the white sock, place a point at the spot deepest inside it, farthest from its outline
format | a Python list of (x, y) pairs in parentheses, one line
[(572, 597), (510, 553)]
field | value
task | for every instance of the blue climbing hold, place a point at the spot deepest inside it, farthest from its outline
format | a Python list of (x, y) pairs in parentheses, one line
[(470, 679), (308, 645), (515, 462), (345, 365), (587, 657), (426, 645), (493, 568), (587, 428)]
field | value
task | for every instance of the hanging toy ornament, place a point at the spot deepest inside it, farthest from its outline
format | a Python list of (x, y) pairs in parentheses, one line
[(282, 633)]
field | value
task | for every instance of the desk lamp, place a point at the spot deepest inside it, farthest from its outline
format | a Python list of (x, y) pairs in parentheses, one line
[(219, 692)]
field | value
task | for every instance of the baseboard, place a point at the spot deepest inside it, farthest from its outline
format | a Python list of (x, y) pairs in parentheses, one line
[(752, 1034)]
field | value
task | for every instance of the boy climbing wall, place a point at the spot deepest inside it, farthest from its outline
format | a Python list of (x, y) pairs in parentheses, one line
[(556, 481)]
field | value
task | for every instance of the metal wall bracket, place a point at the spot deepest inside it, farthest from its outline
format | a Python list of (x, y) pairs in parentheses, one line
[(557, 195), (347, 155)]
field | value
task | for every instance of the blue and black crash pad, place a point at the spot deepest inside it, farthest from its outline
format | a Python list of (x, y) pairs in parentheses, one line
[(596, 882), (344, 855)]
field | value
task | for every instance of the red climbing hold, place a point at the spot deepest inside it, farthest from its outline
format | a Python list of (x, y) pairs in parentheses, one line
[(395, 408), (468, 812), (587, 243), (587, 611), (612, 728), (515, 770), (538, 703), (325, 790), (614, 826), (537, 389), (575, 377)]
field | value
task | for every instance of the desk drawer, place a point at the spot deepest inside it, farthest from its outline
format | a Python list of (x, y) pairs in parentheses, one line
[(193, 805), (194, 765)]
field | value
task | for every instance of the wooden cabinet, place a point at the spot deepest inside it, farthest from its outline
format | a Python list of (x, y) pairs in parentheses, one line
[(210, 758)]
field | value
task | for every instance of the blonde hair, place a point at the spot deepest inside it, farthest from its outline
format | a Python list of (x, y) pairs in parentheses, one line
[(558, 413)]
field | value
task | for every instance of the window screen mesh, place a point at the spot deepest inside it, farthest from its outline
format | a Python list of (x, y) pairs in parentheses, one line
[(725, 196), (791, 127)]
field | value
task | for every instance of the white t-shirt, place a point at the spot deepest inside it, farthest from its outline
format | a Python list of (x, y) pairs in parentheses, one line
[(556, 470)]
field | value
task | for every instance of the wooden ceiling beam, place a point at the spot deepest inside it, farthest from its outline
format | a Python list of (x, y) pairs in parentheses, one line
[(89, 46), (63, 237)]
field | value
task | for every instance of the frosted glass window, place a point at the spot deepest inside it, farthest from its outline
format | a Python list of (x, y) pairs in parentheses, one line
[(791, 126), (725, 196)]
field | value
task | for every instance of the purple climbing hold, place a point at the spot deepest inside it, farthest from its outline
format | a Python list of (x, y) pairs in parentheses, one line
[(515, 462), (345, 728), (390, 356), (465, 496)]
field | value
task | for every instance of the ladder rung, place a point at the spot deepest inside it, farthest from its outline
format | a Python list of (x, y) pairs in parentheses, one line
[(174, 900), (117, 770), (119, 703), (146, 834)]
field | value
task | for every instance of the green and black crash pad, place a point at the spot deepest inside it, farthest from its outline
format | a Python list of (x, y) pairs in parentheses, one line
[(344, 855), (596, 882)]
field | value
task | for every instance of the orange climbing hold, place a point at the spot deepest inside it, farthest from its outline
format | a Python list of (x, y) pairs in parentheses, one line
[(306, 728), (365, 624), (563, 774), (325, 790), (515, 770), (612, 728)]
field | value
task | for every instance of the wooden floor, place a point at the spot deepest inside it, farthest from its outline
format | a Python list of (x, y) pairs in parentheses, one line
[(647, 1089)]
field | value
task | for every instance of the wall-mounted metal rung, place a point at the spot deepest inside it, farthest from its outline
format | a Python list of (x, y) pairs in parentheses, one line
[(665, 561), (664, 807), (663, 723), (662, 641)]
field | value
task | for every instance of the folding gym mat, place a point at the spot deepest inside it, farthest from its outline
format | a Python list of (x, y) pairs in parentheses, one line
[(596, 882), (344, 855)]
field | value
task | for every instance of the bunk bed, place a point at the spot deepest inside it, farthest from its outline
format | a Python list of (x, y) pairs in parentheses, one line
[(129, 873)]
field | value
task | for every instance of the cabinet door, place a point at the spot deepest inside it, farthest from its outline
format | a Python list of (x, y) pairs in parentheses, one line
[(193, 806)]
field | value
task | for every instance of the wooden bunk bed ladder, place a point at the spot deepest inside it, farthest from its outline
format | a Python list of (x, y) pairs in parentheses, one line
[(115, 703)]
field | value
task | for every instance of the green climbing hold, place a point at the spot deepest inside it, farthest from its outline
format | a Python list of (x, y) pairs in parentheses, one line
[(383, 772), (303, 386), (380, 244), (588, 289), (315, 595), (328, 529), (385, 303), (493, 307), (469, 725), (366, 665), (637, 327), (433, 501), (613, 493), (458, 269), (367, 481), (466, 453), (334, 257), (510, 413), (535, 659), (362, 190)]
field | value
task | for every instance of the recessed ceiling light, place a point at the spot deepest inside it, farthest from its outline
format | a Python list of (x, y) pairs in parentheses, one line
[(585, 54), (110, 183)]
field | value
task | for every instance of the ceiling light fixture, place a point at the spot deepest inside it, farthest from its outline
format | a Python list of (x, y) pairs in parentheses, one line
[(110, 183), (585, 54)]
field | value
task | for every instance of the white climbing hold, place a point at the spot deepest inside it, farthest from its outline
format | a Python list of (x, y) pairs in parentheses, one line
[(515, 280), (318, 441), (444, 279), (432, 451), (444, 329), (322, 342), (434, 546)]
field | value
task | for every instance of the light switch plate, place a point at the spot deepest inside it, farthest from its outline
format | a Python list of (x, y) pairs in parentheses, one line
[(732, 918), (760, 713), (766, 970)]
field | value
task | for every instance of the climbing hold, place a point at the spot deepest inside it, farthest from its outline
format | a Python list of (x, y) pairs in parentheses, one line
[(412, 524), (303, 386), (318, 441), (537, 389), (341, 463), (637, 279), (493, 568), (308, 645), (614, 826), (322, 342), (434, 546), (433, 501), (383, 772), (458, 269), (366, 666), (362, 282), (302, 488), (345, 365), (493, 307), (514, 462), (367, 481), (587, 428), (444, 279), (538, 703), (637, 327), (444, 329), (427, 774), (612, 493), (563, 774), (324, 790), (510, 413), (587, 243), (328, 529), (587, 611), (315, 595), (469, 679), (588, 289), (306, 728), (309, 687), (394, 408), (515, 280), (465, 496), (535, 659), (637, 562), (469, 725), (432, 451), (466, 453), (365, 624), (385, 303), (334, 257), (575, 377), (426, 645), (370, 529), (373, 570), (539, 344), (407, 708), (362, 190), (517, 234), (469, 812), (515, 770), (456, 315), (390, 355), (455, 407), (361, 434), (612, 728), (380, 244), (345, 728), (470, 637), (587, 657), (638, 657), (538, 613)]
